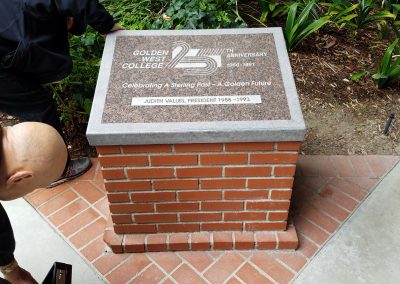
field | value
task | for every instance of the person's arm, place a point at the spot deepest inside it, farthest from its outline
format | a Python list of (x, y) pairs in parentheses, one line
[(86, 12), (9, 267)]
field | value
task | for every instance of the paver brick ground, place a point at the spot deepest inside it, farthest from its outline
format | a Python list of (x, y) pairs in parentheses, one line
[(327, 190)]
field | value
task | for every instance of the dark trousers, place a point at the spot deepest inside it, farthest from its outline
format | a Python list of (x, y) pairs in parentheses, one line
[(7, 242), (27, 100)]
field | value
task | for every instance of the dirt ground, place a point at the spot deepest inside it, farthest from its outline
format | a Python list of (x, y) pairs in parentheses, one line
[(342, 116)]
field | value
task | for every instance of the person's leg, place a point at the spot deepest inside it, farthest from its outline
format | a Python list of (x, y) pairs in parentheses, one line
[(27, 100), (7, 241)]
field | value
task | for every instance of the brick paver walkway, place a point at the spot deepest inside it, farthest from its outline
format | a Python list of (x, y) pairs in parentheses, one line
[(327, 191)]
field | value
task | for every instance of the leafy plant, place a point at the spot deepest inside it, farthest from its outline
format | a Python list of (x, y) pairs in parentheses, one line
[(135, 15), (388, 69), (369, 12), (298, 27), (271, 9), (341, 12), (200, 14)]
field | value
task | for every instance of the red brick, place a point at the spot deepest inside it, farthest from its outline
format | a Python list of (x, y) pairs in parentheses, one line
[(221, 206), (223, 241), (266, 241), (288, 239), (222, 183), (199, 172), (195, 217), (122, 218), (249, 146), (134, 243), (281, 194), (271, 183), (113, 173), (123, 161), (108, 149), (246, 194), (179, 242), (134, 229), (200, 241), (146, 149), (58, 202), (244, 216), (222, 226), (150, 173), (177, 207), (306, 247), (278, 216), (199, 195), (310, 230), (118, 197), (294, 260), (153, 196), (156, 242), (155, 218), (265, 226), (127, 186), (113, 240), (170, 228), (341, 199), (330, 208), (288, 146), (244, 240), (273, 158), (319, 218), (198, 147), (273, 268), (248, 274), (130, 208), (250, 171), (173, 160), (285, 171), (267, 205), (350, 189), (180, 184), (223, 159)]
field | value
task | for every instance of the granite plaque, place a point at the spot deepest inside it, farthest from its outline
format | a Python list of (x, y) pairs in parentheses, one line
[(195, 86)]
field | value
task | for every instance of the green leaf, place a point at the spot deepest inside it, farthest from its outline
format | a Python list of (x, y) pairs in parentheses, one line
[(358, 75), (290, 19), (348, 10), (378, 76), (385, 64), (316, 25), (348, 18), (394, 73)]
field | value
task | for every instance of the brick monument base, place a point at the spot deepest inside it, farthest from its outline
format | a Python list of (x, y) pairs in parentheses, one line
[(199, 196)]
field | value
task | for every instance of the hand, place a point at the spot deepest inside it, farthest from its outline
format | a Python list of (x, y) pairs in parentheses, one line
[(117, 28), (20, 276), (70, 23)]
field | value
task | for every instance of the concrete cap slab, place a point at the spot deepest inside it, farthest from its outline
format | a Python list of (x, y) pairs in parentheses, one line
[(195, 86)]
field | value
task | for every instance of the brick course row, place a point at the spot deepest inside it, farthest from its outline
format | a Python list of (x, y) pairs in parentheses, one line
[(201, 241)]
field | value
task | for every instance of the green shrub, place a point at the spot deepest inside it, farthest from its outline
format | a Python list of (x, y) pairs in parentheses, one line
[(271, 9), (369, 13), (75, 93), (341, 12), (388, 69), (298, 27), (200, 14)]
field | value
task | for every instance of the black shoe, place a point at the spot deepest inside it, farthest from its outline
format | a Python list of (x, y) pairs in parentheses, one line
[(74, 169)]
